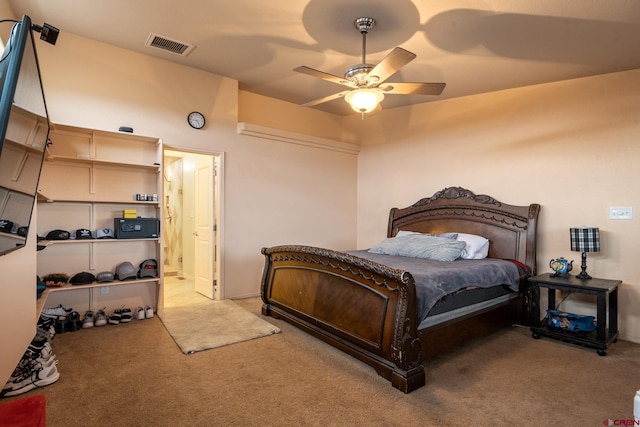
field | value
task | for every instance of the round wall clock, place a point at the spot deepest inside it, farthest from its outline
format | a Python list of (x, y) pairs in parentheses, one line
[(196, 120)]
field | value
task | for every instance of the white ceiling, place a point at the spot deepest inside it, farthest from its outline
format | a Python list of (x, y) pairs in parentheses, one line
[(472, 46)]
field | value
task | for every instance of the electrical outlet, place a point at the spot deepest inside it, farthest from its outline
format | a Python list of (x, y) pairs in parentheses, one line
[(104, 290), (620, 212)]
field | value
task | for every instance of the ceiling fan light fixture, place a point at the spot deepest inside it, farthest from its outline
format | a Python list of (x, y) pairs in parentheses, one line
[(364, 100)]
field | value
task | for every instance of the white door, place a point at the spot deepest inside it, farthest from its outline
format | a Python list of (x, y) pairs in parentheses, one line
[(205, 227)]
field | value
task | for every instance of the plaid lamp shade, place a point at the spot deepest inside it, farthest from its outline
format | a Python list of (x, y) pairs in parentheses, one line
[(585, 239)]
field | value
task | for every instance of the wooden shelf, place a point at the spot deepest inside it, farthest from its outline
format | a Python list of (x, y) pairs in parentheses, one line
[(72, 241), (86, 160), (44, 198), (70, 287)]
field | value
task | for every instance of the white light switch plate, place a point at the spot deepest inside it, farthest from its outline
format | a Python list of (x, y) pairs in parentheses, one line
[(620, 212)]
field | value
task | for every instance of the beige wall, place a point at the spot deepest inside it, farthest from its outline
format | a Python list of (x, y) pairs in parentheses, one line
[(273, 113), (571, 146)]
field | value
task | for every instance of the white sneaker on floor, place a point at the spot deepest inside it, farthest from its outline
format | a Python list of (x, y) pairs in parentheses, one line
[(140, 313), (32, 376), (101, 318), (148, 312)]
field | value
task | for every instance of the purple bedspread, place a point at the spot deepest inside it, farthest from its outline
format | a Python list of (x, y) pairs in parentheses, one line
[(435, 279)]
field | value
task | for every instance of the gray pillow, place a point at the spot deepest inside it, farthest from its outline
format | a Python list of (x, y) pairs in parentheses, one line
[(421, 246)]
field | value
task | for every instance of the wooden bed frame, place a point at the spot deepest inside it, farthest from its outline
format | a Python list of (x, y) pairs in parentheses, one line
[(368, 310)]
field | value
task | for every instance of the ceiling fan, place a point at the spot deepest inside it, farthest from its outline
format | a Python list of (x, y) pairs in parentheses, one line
[(366, 82)]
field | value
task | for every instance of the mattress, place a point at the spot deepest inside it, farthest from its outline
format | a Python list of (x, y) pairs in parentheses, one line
[(438, 282)]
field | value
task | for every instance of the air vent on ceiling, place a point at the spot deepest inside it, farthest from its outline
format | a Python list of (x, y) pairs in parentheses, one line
[(169, 45)]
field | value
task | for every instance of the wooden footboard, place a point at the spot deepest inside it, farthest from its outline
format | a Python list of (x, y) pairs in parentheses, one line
[(363, 308)]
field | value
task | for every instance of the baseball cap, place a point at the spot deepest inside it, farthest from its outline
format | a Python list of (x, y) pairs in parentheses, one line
[(82, 278), (6, 226), (148, 268), (104, 233), (126, 271), (81, 233), (105, 276), (55, 279), (58, 235)]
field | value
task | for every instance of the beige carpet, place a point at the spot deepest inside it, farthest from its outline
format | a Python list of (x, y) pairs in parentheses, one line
[(135, 375), (212, 324)]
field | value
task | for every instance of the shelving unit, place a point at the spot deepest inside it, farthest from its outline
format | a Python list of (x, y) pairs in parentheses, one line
[(89, 178)]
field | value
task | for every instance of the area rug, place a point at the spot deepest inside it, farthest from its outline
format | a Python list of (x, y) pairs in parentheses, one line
[(214, 324)]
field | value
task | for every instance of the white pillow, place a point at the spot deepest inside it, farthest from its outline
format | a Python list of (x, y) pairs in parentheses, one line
[(452, 236), (401, 233), (477, 246)]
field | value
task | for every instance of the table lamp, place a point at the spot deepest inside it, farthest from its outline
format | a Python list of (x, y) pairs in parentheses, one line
[(585, 239)]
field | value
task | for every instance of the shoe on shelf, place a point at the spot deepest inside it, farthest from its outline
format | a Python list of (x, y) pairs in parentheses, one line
[(89, 320), (139, 313), (73, 322), (148, 312), (101, 318), (125, 315)]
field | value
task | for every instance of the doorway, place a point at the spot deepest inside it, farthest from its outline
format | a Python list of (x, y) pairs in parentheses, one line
[(191, 238)]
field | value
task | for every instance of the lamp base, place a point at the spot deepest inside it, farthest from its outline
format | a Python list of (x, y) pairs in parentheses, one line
[(583, 274)]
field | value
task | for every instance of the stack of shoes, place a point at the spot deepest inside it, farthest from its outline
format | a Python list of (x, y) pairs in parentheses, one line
[(144, 313), (120, 315), (59, 315), (37, 367)]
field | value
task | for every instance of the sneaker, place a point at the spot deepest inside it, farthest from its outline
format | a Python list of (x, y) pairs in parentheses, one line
[(27, 363), (73, 322), (47, 326), (59, 315), (114, 317), (139, 313), (148, 312), (61, 325), (38, 347), (56, 313), (125, 315), (101, 318), (29, 377), (89, 320)]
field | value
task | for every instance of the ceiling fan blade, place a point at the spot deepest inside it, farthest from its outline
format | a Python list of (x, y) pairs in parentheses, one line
[(324, 76), (325, 99), (391, 63), (413, 88)]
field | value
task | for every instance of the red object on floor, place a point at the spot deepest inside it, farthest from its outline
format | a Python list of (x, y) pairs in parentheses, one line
[(25, 412)]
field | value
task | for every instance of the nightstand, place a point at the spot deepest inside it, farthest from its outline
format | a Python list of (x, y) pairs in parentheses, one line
[(601, 337)]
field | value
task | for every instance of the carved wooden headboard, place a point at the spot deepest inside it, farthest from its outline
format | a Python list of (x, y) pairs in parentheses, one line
[(511, 230)]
